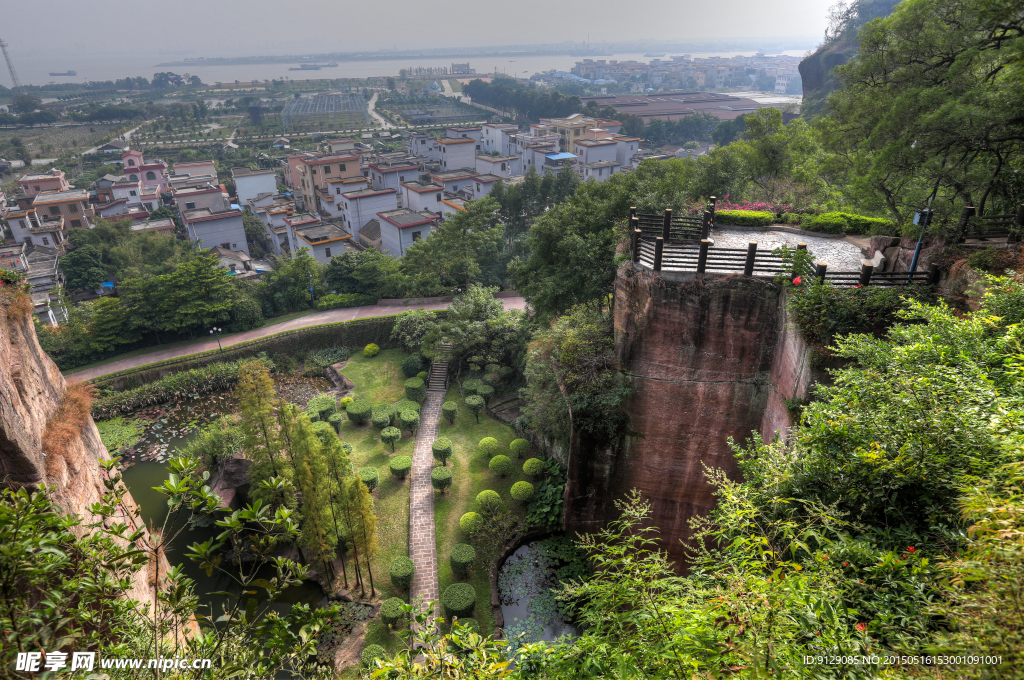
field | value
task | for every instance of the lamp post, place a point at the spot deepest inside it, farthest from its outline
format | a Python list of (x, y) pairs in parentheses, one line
[(311, 302), (217, 331)]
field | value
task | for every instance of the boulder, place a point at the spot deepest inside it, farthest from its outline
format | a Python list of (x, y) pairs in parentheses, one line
[(231, 481)]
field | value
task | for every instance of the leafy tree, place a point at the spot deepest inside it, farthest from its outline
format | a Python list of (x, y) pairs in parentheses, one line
[(25, 102), (286, 288), (195, 296), (256, 396), (368, 272), (83, 268), (110, 326), (364, 527)]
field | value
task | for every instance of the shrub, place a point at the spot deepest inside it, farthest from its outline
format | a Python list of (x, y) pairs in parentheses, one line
[(402, 570), (371, 350), (475, 405), (450, 410), (381, 419), (488, 500), (391, 611), (485, 391), (522, 491), (333, 301), (410, 420), (390, 435), (459, 599), (321, 407), (519, 447), (370, 654), (744, 218), (489, 446), (406, 405), (423, 375), (411, 365), (441, 478), (359, 412), (470, 625), (462, 558), (415, 389), (471, 386), (470, 522), (501, 465), (535, 467), (370, 477), (400, 466), (324, 432), (335, 421), (840, 222), (345, 401), (442, 449)]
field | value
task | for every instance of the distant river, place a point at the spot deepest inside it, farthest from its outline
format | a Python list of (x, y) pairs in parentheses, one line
[(34, 68)]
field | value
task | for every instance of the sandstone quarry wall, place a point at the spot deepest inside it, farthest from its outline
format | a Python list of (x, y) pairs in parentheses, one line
[(709, 359)]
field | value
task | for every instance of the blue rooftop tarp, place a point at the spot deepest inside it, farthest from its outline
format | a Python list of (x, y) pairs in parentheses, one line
[(564, 156)]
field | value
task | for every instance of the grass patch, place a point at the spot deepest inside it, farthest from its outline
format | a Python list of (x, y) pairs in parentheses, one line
[(470, 476), (379, 379)]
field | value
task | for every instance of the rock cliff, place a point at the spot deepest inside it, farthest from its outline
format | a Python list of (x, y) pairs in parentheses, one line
[(709, 360)]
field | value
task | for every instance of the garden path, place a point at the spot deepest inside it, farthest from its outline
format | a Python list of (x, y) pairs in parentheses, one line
[(422, 541)]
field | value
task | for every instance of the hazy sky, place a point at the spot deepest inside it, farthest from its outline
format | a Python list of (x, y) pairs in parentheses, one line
[(190, 28)]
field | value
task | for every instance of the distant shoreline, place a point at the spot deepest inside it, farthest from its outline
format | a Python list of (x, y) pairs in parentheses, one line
[(294, 59)]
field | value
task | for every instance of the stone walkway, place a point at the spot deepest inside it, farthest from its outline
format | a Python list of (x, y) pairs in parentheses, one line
[(422, 541), (840, 255)]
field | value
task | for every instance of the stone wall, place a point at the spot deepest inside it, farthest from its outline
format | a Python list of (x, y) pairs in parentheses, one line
[(709, 359)]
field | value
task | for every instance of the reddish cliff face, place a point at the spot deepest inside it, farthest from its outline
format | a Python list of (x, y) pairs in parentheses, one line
[(709, 360)]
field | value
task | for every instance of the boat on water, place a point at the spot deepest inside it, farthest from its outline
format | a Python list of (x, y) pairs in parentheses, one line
[(305, 67), (65, 73), (654, 55)]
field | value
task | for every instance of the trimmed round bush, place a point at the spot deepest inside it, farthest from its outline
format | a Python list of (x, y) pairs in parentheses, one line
[(370, 477), (415, 389), (345, 401), (475, 404), (321, 407), (450, 410), (442, 449), (335, 421), (423, 375), (411, 365), (519, 447), (390, 435), (410, 420), (359, 412), (488, 500), (383, 416), (462, 558), (459, 599), (401, 570), (485, 391), (470, 522), (371, 350), (406, 405), (470, 625), (324, 432), (441, 478), (400, 466), (489, 446), (391, 611), (535, 467), (370, 654), (501, 465), (522, 491), (471, 386)]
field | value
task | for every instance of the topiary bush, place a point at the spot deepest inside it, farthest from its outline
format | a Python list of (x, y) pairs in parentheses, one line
[(406, 405), (475, 404), (459, 599), (489, 446), (411, 365), (391, 611), (535, 467), (441, 478), (745, 218), (359, 412), (382, 418), (488, 500), (323, 431), (423, 375), (390, 435), (410, 420), (400, 466), (335, 421), (345, 401), (462, 558), (370, 654), (370, 477), (470, 625), (450, 410), (519, 447), (485, 391), (470, 522), (471, 386), (501, 465), (401, 570), (321, 407), (442, 449), (415, 389), (371, 350), (522, 491)]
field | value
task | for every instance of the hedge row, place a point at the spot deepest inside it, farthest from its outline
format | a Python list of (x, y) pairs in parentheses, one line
[(347, 300), (840, 222), (745, 218)]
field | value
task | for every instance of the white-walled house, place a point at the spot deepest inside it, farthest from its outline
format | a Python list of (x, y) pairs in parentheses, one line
[(502, 166), (323, 240), (391, 176), (599, 170), (453, 180), (296, 222), (418, 196), (475, 133), (495, 134), (425, 145), (481, 185), (272, 210), (596, 150), (216, 228), (400, 228), (251, 183), (359, 207), (458, 153)]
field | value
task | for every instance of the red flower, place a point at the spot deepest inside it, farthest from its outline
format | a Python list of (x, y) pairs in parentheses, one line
[(796, 281), (846, 564), (825, 556), (862, 627), (910, 549)]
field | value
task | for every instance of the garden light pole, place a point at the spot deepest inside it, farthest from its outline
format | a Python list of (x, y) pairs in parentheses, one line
[(311, 302), (217, 331)]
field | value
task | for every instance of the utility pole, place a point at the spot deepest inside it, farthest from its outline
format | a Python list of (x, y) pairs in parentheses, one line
[(10, 66)]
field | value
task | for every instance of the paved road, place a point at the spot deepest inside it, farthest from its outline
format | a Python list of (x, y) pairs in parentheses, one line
[(330, 316), (127, 137), (372, 107)]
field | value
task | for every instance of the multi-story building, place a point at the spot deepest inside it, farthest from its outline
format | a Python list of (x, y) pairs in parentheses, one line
[(273, 210), (146, 172), (361, 206), (310, 174), (453, 180), (28, 225), (205, 195), (475, 133), (37, 182), (323, 240), (425, 145), (251, 183), (299, 220), (419, 196), (574, 127), (495, 136), (458, 153), (503, 166), (400, 228), (210, 228), (195, 169), (599, 171), (71, 204), (391, 175)]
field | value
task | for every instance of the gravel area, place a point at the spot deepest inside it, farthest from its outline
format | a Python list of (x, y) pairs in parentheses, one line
[(839, 254)]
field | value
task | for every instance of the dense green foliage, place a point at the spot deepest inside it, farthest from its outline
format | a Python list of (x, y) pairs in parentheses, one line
[(459, 599), (535, 467), (359, 412), (520, 447), (442, 449), (441, 478), (470, 522), (745, 218), (400, 466), (391, 611), (412, 365), (501, 465), (390, 435), (489, 446), (522, 491), (370, 477), (371, 350), (450, 411), (415, 389), (462, 558), (333, 301), (401, 570)]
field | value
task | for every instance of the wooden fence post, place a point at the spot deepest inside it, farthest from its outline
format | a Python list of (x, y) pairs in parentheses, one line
[(714, 200), (636, 246), (666, 228), (819, 271), (702, 256), (933, 274), (865, 274), (632, 212), (705, 225), (748, 266), (659, 251)]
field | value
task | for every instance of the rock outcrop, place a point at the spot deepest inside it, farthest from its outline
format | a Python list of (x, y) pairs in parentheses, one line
[(709, 360)]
